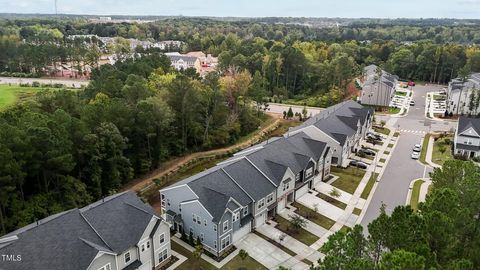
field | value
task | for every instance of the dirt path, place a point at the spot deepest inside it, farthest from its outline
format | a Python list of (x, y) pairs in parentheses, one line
[(146, 181)]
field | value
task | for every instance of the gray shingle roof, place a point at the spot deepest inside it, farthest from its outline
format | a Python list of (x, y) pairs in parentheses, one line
[(465, 123), (72, 239)]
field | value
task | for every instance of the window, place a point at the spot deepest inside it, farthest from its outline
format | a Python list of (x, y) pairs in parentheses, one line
[(162, 238), (215, 244), (286, 184), (143, 247), (163, 199), (105, 267), (214, 227), (235, 216), (261, 203), (309, 172), (297, 177), (199, 220), (201, 237), (245, 210), (205, 222), (194, 218), (162, 256), (226, 242), (225, 226), (270, 198), (168, 202), (127, 257), (148, 244)]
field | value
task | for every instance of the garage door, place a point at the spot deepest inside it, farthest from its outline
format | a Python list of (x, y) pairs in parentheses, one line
[(302, 191), (241, 232), (260, 220)]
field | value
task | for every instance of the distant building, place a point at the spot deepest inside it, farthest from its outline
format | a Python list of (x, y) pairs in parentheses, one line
[(467, 137), (378, 87), (183, 61), (117, 233), (460, 92)]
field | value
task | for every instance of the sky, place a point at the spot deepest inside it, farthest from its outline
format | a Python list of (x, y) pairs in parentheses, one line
[(462, 9)]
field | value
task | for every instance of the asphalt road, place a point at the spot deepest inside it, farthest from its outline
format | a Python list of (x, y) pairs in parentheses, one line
[(66, 82), (393, 187)]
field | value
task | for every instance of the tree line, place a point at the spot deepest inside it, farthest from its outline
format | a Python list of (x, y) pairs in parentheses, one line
[(68, 148), (443, 234)]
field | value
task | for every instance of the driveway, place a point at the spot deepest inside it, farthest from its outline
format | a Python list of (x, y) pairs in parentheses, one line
[(267, 254), (393, 187)]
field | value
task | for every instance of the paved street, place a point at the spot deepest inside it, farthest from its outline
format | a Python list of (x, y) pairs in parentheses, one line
[(401, 169)]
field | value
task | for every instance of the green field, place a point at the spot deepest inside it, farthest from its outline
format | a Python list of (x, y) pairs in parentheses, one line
[(10, 95)]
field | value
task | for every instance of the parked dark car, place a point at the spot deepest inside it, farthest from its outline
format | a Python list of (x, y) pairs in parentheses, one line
[(368, 152), (359, 164)]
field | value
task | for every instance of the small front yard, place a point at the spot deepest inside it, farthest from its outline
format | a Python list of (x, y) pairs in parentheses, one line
[(402, 94), (442, 149), (357, 211), (301, 234), (393, 110), (348, 179), (332, 200), (415, 194), (382, 130), (313, 216), (382, 160), (368, 187), (234, 264)]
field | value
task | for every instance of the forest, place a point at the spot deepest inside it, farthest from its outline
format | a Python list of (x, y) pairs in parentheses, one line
[(68, 148), (314, 65)]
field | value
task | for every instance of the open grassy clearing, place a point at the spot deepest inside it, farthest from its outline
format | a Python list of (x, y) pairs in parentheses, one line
[(11, 95)]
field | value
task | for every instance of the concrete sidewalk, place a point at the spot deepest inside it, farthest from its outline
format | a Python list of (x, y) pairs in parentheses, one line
[(268, 254)]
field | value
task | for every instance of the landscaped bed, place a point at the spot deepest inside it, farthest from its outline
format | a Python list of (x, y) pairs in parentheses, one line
[(234, 264), (313, 216), (332, 200), (382, 130), (348, 179), (368, 187), (357, 211), (301, 234), (423, 153)]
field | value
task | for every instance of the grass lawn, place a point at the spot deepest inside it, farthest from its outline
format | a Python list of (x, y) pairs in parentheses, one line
[(396, 134), (349, 178), (390, 145), (382, 160), (423, 153), (386, 152), (234, 264), (301, 235), (415, 194), (332, 200), (314, 217), (369, 186), (440, 144), (273, 242), (345, 229), (383, 130), (393, 110), (10, 95), (402, 94), (357, 211)]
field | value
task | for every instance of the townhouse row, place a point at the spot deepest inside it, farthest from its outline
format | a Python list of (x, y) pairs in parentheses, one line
[(223, 204)]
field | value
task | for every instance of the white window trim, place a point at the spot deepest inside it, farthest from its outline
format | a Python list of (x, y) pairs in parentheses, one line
[(225, 222), (125, 257), (261, 203), (105, 267), (160, 238)]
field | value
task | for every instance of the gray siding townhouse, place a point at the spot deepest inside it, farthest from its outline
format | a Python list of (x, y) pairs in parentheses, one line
[(378, 87), (467, 137), (224, 203), (119, 232), (342, 127), (459, 94)]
